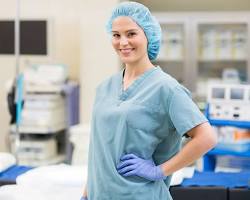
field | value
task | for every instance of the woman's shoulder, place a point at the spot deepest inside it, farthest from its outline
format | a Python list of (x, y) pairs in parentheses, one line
[(169, 84), (165, 80)]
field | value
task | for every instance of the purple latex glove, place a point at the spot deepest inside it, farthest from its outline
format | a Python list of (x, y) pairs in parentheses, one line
[(132, 165), (84, 198)]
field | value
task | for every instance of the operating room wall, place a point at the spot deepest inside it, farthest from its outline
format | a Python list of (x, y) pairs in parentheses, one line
[(64, 17), (197, 5), (77, 38), (98, 59)]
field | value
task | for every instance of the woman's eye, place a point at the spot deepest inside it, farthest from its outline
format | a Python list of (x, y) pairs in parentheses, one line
[(116, 35), (131, 34)]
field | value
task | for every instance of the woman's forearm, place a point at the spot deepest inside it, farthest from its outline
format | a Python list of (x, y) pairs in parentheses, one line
[(203, 139), (85, 194)]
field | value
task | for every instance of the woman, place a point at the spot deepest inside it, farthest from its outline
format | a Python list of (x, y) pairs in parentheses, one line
[(140, 116)]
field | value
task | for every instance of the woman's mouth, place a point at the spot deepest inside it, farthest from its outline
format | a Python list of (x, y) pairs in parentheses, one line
[(126, 51)]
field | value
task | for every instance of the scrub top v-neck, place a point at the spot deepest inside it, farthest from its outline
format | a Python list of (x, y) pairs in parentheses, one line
[(124, 93), (147, 119)]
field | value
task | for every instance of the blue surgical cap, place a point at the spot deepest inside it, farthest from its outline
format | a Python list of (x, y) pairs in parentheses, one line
[(142, 16)]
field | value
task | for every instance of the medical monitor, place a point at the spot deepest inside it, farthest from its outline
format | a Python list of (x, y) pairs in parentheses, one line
[(218, 93), (237, 93)]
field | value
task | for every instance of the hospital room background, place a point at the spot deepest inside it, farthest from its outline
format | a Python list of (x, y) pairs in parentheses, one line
[(47, 91)]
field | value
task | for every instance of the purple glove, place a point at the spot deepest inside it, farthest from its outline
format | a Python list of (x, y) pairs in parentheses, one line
[(132, 165), (84, 198)]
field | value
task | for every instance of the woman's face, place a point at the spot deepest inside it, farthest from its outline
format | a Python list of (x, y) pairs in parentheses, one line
[(129, 40)]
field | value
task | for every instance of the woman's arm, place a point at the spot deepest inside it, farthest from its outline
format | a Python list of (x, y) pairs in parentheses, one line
[(85, 192), (85, 195), (203, 138)]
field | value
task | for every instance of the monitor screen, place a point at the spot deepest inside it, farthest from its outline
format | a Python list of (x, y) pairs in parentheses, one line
[(218, 93), (33, 37), (237, 93)]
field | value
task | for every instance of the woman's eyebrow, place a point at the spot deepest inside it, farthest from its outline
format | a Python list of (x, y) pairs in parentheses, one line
[(114, 31), (131, 30)]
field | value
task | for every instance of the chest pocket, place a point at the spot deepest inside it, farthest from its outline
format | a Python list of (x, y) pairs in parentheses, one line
[(144, 117)]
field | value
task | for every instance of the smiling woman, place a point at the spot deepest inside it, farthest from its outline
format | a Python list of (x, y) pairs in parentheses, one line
[(143, 19), (129, 40), (140, 116)]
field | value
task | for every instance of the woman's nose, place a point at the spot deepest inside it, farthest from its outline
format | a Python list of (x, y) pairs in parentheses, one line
[(123, 40)]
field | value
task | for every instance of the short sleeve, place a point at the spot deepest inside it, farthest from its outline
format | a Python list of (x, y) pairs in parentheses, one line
[(183, 112)]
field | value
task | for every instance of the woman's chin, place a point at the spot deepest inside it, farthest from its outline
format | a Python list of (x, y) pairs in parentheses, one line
[(127, 60)]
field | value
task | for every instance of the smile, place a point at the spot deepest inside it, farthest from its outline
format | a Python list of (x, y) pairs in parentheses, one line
[(128, 50)]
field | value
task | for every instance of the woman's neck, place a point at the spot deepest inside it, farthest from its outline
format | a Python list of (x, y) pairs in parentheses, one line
[(136, 69)]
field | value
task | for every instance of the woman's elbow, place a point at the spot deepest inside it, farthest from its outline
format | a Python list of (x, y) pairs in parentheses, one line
[(211, 138), (207, 136)]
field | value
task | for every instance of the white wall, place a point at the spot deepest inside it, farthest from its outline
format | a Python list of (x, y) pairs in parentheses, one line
[(197, 5), (98, 60), (78, 40), (65, 19)]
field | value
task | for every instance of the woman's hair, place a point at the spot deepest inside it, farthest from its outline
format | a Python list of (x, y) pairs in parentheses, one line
[(142, 16)]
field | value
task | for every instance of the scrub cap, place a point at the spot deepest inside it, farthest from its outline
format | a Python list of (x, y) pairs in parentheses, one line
[(142, 16)]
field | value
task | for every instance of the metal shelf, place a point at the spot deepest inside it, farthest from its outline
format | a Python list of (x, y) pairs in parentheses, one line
[(209, 157), (239, 124), (217, 151)]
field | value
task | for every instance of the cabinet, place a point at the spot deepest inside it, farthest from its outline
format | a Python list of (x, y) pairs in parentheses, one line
[(199, 48), (173, 56), (221, 45), (202, 47)]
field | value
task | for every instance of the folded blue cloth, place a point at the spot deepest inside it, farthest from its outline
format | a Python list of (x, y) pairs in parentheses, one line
[(224, 179), (13, 172)]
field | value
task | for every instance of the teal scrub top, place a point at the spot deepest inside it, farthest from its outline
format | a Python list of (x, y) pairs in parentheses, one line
[(148, 119)]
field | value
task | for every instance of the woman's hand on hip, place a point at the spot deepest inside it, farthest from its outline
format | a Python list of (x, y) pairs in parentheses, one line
[(132, 165)]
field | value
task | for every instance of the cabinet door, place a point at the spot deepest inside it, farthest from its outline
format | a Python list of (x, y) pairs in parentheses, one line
[(203, 47), (173, 53), (221, 50)]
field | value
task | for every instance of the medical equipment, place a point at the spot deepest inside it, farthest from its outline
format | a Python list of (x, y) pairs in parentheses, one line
[(229, 104), (233, 163), (174, 44), (80, 136), (45, 77), (43, 121), (37, 149), (48, 114), (233, 138), (239, 41), (224, 42), (208, 44), (229, 101), (231, 75)]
